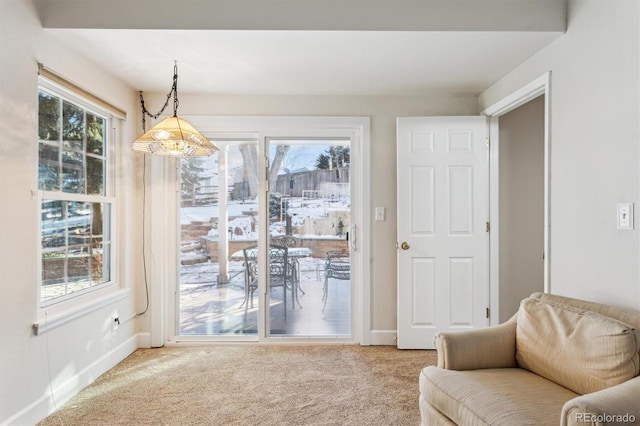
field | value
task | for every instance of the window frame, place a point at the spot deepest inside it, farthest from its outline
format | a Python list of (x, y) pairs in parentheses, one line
[(94, 294)]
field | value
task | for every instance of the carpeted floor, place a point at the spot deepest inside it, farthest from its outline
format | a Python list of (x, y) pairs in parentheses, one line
[(254, 385)]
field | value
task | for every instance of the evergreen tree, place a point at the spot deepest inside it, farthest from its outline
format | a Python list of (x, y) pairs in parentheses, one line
[(322, 162), (334, 157)]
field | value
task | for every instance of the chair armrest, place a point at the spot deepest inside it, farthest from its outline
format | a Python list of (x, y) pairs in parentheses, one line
[(493, 347), (617, 405)]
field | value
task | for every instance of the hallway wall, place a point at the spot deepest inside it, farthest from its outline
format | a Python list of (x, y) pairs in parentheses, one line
[(521, 163)]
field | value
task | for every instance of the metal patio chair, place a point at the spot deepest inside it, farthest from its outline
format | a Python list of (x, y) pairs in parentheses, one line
[(337, 266)]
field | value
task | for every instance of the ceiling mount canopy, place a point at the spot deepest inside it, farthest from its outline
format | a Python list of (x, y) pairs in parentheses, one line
[(172, 136)]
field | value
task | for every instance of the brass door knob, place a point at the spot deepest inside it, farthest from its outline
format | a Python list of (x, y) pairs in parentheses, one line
[(404, 246)]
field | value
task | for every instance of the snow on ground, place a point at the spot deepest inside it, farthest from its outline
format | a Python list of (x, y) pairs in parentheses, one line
[(205, 213), (246, 224), (298, 207), (301, 209), (207, 273)]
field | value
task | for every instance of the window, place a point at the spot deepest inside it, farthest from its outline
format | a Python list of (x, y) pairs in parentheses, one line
[(76, 196)]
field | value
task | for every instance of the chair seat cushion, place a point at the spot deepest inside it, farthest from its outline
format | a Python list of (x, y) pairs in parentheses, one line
[(502, 396)]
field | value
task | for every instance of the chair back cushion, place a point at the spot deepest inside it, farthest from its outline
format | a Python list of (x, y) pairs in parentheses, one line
[(627, 315), (581, 350)]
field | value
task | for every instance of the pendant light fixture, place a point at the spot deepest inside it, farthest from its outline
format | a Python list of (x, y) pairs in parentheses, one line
[(172, 136)]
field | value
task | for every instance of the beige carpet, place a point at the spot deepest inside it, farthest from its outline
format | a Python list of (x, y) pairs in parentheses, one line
[(254, 385)]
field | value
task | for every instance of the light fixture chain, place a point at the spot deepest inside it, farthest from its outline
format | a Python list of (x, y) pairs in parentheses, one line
[(174, 92), (175, 89)]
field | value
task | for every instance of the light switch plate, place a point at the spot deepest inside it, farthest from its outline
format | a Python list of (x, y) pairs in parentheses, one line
[(625, 215), (380, 214)]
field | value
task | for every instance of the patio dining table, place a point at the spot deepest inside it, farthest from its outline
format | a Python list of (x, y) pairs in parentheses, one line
[(291, 252)]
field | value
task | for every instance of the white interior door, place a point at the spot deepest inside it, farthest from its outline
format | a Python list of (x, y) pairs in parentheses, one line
[(443, 211)]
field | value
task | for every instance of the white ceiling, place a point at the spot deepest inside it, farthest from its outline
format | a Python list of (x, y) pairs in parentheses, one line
[(318, 47), (307, 62)]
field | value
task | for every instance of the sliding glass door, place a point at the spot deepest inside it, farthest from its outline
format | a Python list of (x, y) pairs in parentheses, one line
[(266, 254)]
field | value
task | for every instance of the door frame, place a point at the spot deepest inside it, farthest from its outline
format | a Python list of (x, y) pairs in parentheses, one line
[(538, 87), (163, 315)]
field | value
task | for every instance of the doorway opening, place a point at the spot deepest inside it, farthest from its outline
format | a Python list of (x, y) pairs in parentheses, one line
[(538, 88), (521, 212)]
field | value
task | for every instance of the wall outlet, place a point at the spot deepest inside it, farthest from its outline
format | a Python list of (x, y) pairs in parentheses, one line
[(625, 216)]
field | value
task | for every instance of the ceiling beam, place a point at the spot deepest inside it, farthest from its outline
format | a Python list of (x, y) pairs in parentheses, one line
[(306, 15)]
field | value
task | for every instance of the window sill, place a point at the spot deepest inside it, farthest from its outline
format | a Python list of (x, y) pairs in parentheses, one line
[(48, 320)]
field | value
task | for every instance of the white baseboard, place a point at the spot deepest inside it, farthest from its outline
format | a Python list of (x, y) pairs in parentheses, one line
[(144, 340), (384, 337), (45, 405)]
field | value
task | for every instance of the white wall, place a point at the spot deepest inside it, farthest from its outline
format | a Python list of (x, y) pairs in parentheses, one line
[(521, 198), (76, 352), (594, 148)]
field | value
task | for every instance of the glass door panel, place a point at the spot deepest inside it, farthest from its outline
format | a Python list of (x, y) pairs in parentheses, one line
[(218, 233), (309, 283)]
